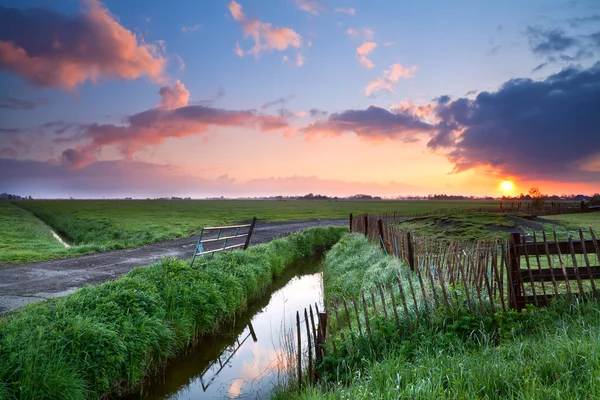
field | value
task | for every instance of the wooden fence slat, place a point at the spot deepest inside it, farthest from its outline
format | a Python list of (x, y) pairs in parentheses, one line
[(545, 275), (546, 247), (403, 299), (312, 321), (558, 247), (357, 315), (309, 346), (487, 282), (338, 320), (562, 267), (423, 289), (299, 361), (384, 306), (394, 306), (596, 246), (412, 291), (589, 269), (366, 313), (530, 276), (576, 269), (476, 281), (537, 258)]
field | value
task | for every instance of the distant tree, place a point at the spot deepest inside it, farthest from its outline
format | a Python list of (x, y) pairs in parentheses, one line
[(537, 198)]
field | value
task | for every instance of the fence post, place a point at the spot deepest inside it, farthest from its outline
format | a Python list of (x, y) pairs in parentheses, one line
[(250, 230), (518, 301), (380, 227), (321, 336), (350, 222), (299, 366), (366, 217), (411, 253)]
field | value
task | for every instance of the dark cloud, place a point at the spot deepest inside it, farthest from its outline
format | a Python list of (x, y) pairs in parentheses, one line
[(576, 22), (11, 130), (316, 113), (282, 101), (549, 41), (555, 46), (495, 49), (372, 123), (539, 67), (540, 129), (58, 127), (13, 103)]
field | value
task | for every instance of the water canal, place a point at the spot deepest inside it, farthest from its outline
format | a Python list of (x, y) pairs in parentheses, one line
[(248, 360)]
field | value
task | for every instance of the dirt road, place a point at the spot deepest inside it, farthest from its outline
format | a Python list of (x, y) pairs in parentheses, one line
[(27, 283)]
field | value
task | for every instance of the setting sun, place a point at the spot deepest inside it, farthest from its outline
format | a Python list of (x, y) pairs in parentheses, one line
[(507, 187)]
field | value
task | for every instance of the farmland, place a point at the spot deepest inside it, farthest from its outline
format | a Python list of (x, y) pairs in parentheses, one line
[(100, 225)]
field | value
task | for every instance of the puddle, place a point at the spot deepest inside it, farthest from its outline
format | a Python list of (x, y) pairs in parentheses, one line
[(245, 362)]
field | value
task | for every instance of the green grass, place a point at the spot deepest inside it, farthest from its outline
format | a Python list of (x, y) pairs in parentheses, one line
[(105, 339), (99, 225), (576, 221), (25, 238), (555, 354), (551, 353), (490, 226)]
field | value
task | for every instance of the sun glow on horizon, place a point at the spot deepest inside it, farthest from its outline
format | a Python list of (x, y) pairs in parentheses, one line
[(507, 187)]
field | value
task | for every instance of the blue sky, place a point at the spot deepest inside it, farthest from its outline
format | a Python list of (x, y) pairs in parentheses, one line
[(439, 48)]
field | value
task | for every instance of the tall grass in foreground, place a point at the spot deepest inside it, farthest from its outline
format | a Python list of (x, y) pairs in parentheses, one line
[(107, 338), (551, 353)]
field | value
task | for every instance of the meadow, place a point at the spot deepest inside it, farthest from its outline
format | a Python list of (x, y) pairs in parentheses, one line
[(100, 225), (462, 226), (546, 353), (26, 238)]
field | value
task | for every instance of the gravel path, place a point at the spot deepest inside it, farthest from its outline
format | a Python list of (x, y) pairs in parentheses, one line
[(27, 283)]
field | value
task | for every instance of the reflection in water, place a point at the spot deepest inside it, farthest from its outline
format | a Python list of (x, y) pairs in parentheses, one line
[(244, 362)]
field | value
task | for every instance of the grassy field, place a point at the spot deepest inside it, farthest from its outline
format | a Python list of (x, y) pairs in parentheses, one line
[(551, 353), (26, 238), (98, 225), (105, 339), (474, 226)]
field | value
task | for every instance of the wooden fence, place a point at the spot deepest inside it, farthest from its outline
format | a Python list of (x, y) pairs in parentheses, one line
[(511, 273), (479, 277)]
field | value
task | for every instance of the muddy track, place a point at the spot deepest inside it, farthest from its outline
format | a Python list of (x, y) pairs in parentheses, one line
[(27, 283)]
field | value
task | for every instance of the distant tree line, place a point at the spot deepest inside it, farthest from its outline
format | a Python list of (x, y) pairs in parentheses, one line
[(9, 196)]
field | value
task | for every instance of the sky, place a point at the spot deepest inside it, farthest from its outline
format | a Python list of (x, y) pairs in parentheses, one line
[(239, 98)]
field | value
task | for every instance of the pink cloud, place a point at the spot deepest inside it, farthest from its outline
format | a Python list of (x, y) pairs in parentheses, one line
[(174, 97), (310, 6), (390, 77), (362, 51), (173, 118), (265, 36), (365, 33), (421, 111), (56, 50), (300, 59)]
